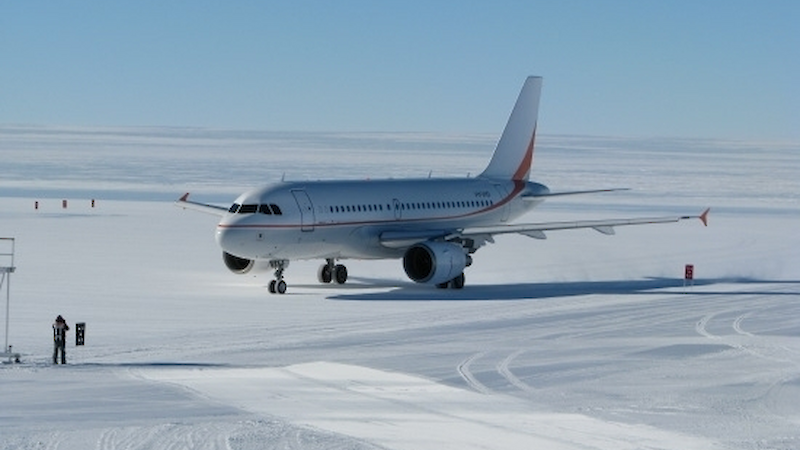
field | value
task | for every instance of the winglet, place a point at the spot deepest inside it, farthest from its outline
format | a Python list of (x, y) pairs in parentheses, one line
[(184, 198), (704, 216)]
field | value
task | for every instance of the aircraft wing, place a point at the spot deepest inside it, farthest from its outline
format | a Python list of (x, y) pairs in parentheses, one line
[(536, 230), (407, 238), (481, 235), (185, 203)]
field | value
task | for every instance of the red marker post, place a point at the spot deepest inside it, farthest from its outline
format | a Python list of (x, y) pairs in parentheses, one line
[(688, 275)]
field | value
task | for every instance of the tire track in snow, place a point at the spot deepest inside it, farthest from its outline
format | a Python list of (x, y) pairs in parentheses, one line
[(737, 325), (701, 327), (749, 346), (504, 370), (466, 374)]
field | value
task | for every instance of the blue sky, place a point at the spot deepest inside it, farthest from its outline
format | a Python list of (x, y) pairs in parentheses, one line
[(718, 69)]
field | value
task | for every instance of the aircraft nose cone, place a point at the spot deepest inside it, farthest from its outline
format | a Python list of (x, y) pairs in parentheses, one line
[(226, 238)]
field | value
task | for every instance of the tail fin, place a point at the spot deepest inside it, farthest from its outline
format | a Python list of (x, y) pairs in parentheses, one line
[(513, 156)]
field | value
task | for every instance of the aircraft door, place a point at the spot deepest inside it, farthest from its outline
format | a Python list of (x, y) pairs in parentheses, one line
[(307, 217), (398, 213)]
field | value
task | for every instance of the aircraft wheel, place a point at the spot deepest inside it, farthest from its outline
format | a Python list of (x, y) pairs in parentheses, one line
[(458, 282), (340, 273), (273, 286), (281, 287), (324, 274)]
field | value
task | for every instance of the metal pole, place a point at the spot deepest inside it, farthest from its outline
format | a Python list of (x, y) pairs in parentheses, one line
[(8, 301), (7, 279)]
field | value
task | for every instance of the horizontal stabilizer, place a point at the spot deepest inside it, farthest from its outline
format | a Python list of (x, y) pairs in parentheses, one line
[(537, 196)]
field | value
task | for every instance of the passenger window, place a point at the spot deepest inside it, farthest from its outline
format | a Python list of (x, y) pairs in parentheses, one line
[(265, 209), (234, 208)]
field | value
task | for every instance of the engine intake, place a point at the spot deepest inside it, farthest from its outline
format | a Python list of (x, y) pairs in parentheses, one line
[(435, 262), (237, 265)]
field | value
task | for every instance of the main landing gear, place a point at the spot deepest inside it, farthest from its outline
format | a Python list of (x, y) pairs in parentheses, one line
[(330, 271), (455, 283)]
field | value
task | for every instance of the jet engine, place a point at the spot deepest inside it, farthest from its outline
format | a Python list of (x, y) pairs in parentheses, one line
[(236, 264), (435, 262)]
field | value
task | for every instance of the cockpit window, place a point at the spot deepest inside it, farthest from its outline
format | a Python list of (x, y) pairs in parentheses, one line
[(253, 208)]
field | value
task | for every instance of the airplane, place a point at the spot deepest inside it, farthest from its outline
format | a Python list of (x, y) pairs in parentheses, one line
[(434, 225)]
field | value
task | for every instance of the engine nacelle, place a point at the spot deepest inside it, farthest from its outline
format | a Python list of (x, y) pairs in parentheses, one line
[(435, 262), (237, 265)]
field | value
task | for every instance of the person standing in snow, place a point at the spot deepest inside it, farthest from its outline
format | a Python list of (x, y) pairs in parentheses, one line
[(60, 329)]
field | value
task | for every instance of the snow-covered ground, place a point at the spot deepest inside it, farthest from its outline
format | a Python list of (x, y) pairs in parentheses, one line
[(579, 341)]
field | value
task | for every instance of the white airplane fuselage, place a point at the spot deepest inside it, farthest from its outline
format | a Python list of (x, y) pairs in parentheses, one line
[(345, 219), (433, 224)]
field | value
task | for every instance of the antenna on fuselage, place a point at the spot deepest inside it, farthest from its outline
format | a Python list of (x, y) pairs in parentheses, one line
[(283, 177)]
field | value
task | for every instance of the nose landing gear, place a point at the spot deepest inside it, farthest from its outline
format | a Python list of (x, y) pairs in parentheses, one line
[(278, 286)]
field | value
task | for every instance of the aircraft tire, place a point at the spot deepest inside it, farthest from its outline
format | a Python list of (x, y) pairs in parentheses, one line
[(458, 282), (340, 274), (324, 274)]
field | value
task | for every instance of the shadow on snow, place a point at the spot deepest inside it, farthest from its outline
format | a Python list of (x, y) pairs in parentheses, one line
[(532, 291)]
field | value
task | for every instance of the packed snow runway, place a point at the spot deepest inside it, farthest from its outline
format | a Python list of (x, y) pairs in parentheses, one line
[(578, 341)]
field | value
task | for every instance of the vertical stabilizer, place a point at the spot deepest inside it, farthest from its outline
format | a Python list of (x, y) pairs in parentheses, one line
[(513, 156)]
